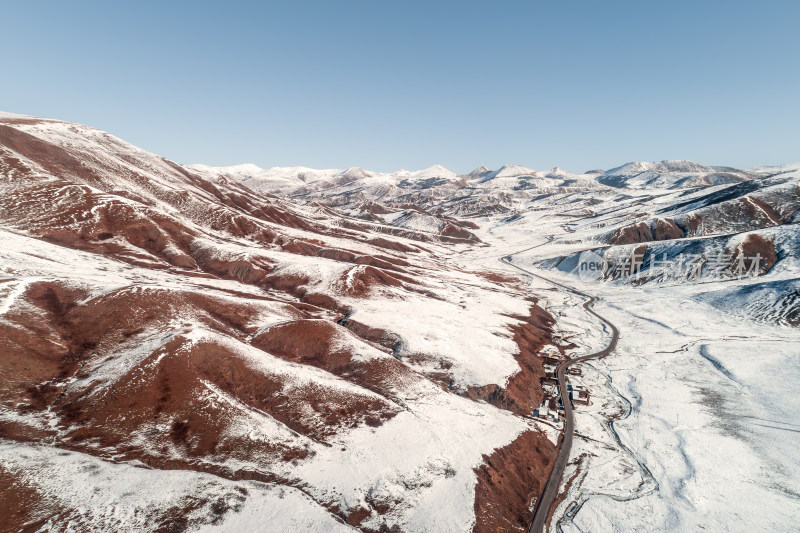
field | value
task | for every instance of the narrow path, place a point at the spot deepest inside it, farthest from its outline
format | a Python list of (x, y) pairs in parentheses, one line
[(545, 502)]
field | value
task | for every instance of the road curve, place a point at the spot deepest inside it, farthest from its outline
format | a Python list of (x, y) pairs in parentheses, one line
[(545, 502)]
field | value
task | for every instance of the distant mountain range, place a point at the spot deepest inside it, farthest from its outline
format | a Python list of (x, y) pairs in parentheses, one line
[(636, 175), (313, 346)]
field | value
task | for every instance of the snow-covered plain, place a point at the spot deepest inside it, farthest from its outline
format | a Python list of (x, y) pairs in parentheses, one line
[(694, 418)]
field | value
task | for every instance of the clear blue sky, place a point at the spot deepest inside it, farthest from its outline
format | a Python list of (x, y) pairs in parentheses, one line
[(387, 85)]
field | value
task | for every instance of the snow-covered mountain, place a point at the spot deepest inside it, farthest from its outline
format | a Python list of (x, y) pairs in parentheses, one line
[(243, 355), (671, 175), (439, 191), (435, 190), (197, 348), (694, 407)]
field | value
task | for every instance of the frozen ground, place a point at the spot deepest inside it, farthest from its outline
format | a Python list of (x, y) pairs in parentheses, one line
[(200, 327), (693, 424), (130, 497), (424, 457), (711, 414)]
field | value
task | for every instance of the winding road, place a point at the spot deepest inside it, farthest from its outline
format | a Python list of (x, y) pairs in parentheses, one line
[(545, 502)]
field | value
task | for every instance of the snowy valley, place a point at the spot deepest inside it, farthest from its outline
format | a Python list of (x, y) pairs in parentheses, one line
[(196, 348)]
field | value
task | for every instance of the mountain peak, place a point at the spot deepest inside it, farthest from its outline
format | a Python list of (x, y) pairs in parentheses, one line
[(356, 173), (510, 171), (434, 171), (481, 169), (558, 172), (7, 115), (667, 165), (670, 174)]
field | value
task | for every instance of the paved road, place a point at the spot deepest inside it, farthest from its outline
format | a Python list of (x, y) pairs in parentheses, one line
[(545, 502)]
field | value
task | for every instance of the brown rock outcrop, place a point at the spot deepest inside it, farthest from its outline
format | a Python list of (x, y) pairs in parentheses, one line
[(523, 393), (508, 480)]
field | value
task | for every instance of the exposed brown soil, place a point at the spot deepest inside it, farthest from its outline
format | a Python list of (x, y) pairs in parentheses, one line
[(408, 234), (305, 341), (174, 397), (767, 210), (98, 222), (291, 282), (740, 214), (468, 224), (23, 509), (187, 378), (323, 300), (379, 336), (449, 229), (386, 263), (640, 232), (312, 342), (391, 245), (523, 392), (56, 338), (665, 229), (693, 222), (755, 245), (361, 281), (502, 279), (508, 481), (374, 208)]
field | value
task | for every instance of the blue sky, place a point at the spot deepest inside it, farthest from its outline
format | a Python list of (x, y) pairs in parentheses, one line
[(387, 85)]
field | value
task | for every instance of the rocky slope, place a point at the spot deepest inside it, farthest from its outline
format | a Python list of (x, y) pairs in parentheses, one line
[(309, 345), (246, 355)]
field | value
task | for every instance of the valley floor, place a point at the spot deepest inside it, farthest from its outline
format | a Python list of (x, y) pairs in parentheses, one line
[(693, 420)]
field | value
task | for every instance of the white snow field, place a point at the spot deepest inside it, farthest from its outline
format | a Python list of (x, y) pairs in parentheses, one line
[(692, 422), (694, 419)]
